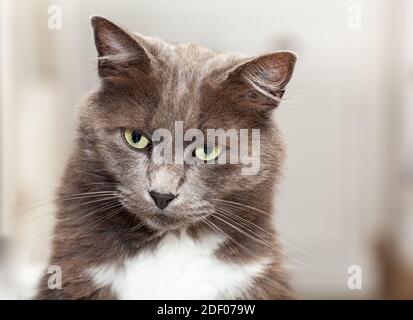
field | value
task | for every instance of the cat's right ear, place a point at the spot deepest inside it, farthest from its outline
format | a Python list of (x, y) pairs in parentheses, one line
[(118, 52)]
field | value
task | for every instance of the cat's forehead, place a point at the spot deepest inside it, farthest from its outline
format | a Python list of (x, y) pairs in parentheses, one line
[(188, 55), (185, 71)]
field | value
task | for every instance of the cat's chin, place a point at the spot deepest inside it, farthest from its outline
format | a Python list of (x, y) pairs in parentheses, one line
[(170, 222)]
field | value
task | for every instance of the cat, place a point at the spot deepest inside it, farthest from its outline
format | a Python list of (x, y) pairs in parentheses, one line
[(129, 228)]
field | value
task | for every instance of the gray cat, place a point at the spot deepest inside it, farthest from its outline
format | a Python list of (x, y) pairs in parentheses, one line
[(131, 228)]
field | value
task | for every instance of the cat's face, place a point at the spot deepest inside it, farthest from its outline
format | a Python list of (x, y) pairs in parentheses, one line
[(149, 85)]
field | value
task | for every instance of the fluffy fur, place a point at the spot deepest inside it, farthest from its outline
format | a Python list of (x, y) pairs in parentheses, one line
[(180, 268), (216, 239)]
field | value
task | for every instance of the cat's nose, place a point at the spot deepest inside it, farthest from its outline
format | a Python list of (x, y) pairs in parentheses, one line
[(162, 199)]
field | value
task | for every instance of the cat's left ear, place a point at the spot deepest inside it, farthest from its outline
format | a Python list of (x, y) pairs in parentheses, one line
[(262, 80), (118, 51)]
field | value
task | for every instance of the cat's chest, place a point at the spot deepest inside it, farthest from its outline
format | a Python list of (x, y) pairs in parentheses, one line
[(180, 268)]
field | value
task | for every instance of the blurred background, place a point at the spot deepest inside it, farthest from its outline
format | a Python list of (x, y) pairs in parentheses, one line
[(346, 198)]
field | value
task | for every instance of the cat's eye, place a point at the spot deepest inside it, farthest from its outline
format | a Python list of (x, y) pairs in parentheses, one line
[(207, 152), (136, 139)]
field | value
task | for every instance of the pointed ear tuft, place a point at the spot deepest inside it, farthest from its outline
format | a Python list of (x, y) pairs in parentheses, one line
[(117, 49), (262, 80)]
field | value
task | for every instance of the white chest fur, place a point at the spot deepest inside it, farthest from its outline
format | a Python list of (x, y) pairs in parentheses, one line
[(180, 268)]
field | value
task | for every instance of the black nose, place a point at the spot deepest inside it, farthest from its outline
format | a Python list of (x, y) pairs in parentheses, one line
[(162, 199)]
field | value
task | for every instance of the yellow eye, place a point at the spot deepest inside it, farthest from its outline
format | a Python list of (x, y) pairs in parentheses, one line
[(135, 139), (207, 153)]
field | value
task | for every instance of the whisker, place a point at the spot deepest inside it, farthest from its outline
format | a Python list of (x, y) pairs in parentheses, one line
[(231, 238), (243, 231), (270, 234), (243, 206), (247, 221), (240, 205), (109, 215), (105, 206), (139, 225), (66, 198), (214, 228)]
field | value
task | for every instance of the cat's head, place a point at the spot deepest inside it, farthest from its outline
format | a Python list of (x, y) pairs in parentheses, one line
[(148, 84)]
